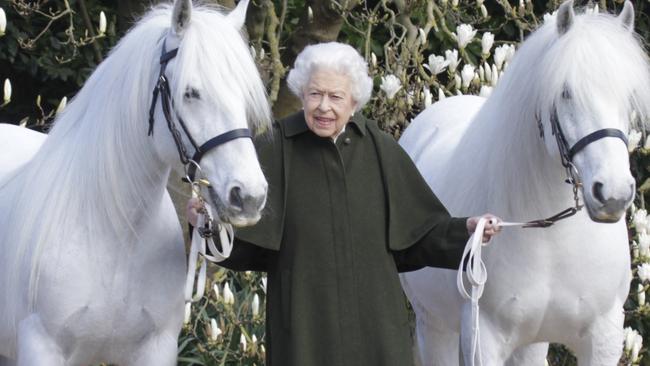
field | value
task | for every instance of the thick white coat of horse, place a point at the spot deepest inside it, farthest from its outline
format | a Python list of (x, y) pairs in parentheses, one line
[(566, 283), (92, 261)]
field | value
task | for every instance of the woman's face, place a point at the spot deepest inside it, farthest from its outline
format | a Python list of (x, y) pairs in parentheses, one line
[(328, 102)]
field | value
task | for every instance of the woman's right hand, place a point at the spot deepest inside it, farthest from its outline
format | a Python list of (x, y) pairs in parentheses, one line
[(192, 210)]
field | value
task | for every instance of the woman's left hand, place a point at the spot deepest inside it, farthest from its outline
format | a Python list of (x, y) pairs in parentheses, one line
[(492, 226)]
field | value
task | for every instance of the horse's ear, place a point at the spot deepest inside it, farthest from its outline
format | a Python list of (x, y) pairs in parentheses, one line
[(181, 16), (565, 17), (238, 16), (627, 16)]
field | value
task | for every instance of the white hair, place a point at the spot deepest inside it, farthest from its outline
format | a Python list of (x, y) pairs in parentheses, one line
[(334, 56)]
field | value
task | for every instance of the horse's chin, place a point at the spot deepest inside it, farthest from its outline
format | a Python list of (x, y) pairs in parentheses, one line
[(603, 215)]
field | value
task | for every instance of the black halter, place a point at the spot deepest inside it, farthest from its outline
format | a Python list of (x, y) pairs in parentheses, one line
[(566, 154), (162, 88)]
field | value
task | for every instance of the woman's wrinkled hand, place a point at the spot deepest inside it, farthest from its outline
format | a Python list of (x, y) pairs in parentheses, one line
[(192, 210), (492, 226)]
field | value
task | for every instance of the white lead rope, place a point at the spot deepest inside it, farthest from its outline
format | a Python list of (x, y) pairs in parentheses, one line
[(198, 246), (476, 275)]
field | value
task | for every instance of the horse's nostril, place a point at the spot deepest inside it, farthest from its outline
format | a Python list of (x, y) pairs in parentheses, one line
[(597, 190), (235, 197)]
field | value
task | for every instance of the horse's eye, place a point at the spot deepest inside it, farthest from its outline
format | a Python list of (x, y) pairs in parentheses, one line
[(191, 93), (566, 94)]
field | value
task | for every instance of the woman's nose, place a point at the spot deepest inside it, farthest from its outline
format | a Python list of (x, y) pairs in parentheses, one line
[(324, 104)]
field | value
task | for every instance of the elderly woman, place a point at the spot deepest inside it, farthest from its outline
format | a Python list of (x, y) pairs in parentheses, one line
[(347, 210)]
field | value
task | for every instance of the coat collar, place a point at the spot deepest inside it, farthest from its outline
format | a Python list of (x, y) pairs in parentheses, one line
[(295, 124)]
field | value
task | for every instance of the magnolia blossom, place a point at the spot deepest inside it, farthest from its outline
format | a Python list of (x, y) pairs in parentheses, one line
[(441, 94), (373, 59), (640, 295), (467, 74), (255, 305), (390, 84), (242, 342), (484, 12), (644, 244), (437, 64), (262, 53), (188, 313), (228, 296), (636, 347), (215, 289), (427, 97), (633, 139), (628, 339), (215, 331), (640, 220), (422, 36), (62, 104), (3, 21), (7, 91), (643, 271), (486, 42), (494, 77), (253, 340), (454, 3), (510, 52), (102, 23), (500, 55), (488, 72), (457, 81), (481, 73), (452, 57), (263, 284), (485, 91), (464, 35), (310, 14)]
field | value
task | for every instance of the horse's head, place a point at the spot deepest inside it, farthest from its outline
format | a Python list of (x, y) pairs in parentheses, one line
[(214, 89), (594, 75)]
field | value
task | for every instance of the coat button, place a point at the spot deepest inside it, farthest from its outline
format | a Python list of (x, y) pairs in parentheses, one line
[(347, 141)]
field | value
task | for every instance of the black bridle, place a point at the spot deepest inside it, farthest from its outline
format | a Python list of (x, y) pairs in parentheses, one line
[(567, 153), (191, 162)]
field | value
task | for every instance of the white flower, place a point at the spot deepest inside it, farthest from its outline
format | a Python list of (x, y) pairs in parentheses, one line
[(500, 54), (633, 139), (457, 81), (253, 340), (264, 284), (437, 64), (454, 3), (215, 331), (644, 244), (467, 74), (488, 72), (484, 12), (494, 79), (373, 59), (485, 91), (188, 313), (3, 21), (255, 306), (510, 52), (427, 97), (464, 35), (228, 297), (481, 73), (422, 37), (310, 14), (242, 342), (636, 347), (215, 288), (486, 42), (643, 271), (629, 335), (253, 52), (7, 91), (390, 84), (441, 94), (62, 104), (640, 220), (592, 10), (640, 294), (452, 57), (102, 23)]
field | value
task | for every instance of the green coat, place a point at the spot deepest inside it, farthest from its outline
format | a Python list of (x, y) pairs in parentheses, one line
[(341, 220)]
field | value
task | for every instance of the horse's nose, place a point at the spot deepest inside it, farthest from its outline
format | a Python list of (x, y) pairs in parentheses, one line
[(611, 202), (246, 202)]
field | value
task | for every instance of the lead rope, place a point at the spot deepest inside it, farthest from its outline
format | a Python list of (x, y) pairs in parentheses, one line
[(476, 273)]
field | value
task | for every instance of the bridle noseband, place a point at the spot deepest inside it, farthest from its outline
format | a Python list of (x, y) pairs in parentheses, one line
[(566, 155), (191, 162)]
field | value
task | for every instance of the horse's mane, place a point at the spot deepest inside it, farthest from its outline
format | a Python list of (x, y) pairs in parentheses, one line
[(502, 148), (97, 168)]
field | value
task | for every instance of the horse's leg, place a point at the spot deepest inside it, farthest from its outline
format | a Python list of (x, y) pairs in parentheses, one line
[(159, 349), (530, 355), (493, 351), (602, 344), (35, 346), (436, 344)]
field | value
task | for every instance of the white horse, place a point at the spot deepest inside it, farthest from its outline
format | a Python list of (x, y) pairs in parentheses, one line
[(92, 261), (566, 283)]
